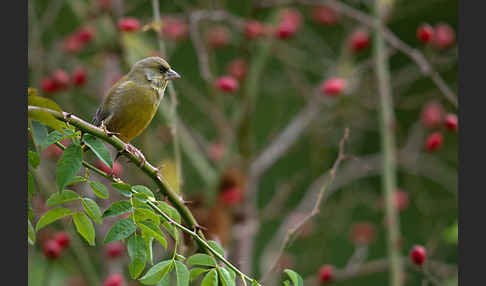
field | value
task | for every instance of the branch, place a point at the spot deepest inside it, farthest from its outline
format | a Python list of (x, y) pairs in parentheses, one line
[(173, 99), (387, 121), (293, 230), (119, 145), (194, 233)]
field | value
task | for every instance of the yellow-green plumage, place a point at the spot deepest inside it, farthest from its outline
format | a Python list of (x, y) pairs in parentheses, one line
[(133, 101)]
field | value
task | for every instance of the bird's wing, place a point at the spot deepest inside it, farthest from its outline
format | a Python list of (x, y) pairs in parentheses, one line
[(104, 111)]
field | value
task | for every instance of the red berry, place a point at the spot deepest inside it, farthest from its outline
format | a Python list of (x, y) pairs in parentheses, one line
[(425, 33), (85, 35), (325, 15), (333, 86), (434, 141), (401, 200), (175, 28), (254, 29), (291, 16), (363, 233), (418, 254), (52, 249), (290, 21), (219, 37), (286, 30), (238, 68), (128, 24), (62, 238), (72, 44), (49, 85), (359, 40), (451, 122), (432, 115), (326, 273), (79, 76), (114, 249), (61, 78), (216, 151), (231, 196), (444, 36), (114, 280), (227, 83)]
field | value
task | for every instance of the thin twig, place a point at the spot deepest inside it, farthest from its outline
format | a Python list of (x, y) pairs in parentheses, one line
[(293, 230), (173, 99)]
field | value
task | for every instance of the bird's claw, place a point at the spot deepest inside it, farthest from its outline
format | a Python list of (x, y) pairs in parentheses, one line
[(109, 133)]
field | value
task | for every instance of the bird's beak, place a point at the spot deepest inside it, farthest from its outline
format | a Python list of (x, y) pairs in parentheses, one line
[(171, 74)]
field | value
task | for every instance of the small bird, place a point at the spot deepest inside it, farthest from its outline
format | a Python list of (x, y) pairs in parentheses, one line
[(132, 102)]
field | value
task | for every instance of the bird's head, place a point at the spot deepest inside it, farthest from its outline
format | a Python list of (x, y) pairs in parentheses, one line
[(155, 69)]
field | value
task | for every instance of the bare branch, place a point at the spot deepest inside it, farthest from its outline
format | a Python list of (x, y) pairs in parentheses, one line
[(315, 210)]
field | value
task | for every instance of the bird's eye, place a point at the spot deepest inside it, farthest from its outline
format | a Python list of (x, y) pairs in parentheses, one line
[(162, 69)]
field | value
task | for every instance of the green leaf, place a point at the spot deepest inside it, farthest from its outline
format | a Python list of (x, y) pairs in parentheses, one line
[(47, 119), (254, 283), (98, 149), (34, 100), (85, 227), (138, 255), (76, 180), (120, 230), (92, 209), (153, 230), (39, 135), (196, 271), (62, 197), (294, 277), (143, 190), (180, 257), (157, 272), (51, 216), (165, 281), (201, 259), (287, 283), (30, 233), (182, 274), (69, 165), (225, 276), (118, 208), (214, 245), (148, 242), (170, 211), (123, 189), (30, 194), (142, 214), (99, 189), (33, 159), (211, 279)]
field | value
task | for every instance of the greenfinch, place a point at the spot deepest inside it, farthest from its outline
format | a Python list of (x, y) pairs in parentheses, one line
[(132, 102)]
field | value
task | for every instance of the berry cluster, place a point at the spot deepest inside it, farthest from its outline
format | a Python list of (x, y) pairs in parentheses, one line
[(433, 117), (59, 80), (54, 246)]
